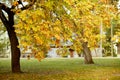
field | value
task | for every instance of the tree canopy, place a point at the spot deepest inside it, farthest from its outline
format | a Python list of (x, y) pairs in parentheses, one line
[(52, 22)]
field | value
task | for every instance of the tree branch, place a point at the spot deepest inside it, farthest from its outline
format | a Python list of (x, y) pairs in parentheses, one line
[(9, 10), (27, 6), (19, 2), (3, 19), (5, 8), (6, 22)]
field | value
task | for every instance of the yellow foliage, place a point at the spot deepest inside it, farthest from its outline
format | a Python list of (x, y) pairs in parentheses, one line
[(39, 55), (57, 29), (74, 20), (15, 3), (38, 40)]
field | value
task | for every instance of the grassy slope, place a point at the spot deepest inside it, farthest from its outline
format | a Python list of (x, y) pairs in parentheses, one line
[(63, 69)]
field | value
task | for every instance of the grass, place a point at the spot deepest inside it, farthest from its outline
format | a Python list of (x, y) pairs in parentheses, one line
[(63, 69)]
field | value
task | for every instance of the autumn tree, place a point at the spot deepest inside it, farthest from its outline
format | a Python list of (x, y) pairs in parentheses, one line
[(51, 22), (7, 15), (87, 17), (86, 28), (43, 26)]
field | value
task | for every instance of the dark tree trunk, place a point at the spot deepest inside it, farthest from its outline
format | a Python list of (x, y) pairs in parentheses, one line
[(87, 54), (15, 51), (71, 53)]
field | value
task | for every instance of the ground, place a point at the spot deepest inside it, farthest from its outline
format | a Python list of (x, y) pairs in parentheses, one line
[(63, 69)]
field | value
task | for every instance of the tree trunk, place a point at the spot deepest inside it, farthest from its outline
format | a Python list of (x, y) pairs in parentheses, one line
[(87, 54), (15, 52), (71, 53)]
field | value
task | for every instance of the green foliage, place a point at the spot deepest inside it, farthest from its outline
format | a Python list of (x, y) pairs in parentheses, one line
[(2, 29), (2, 46), (3, 40), (112, 36)]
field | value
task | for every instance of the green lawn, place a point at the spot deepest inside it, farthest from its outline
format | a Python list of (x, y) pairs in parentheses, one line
[(63, 69)]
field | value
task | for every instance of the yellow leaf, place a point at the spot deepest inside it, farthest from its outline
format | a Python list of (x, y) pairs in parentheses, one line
[(15, 3)]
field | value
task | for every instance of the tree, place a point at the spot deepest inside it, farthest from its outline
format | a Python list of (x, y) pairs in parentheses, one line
[(87, 17), (85, 27), (8, 22), (43, 26), (53, 21)]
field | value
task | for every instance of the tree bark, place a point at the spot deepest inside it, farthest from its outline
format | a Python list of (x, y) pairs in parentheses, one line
[(87, 54), (15, 51)]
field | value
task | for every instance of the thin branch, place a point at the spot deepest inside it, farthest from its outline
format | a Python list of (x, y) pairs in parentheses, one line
[(28, 6), (5, 8), (3, 19)]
